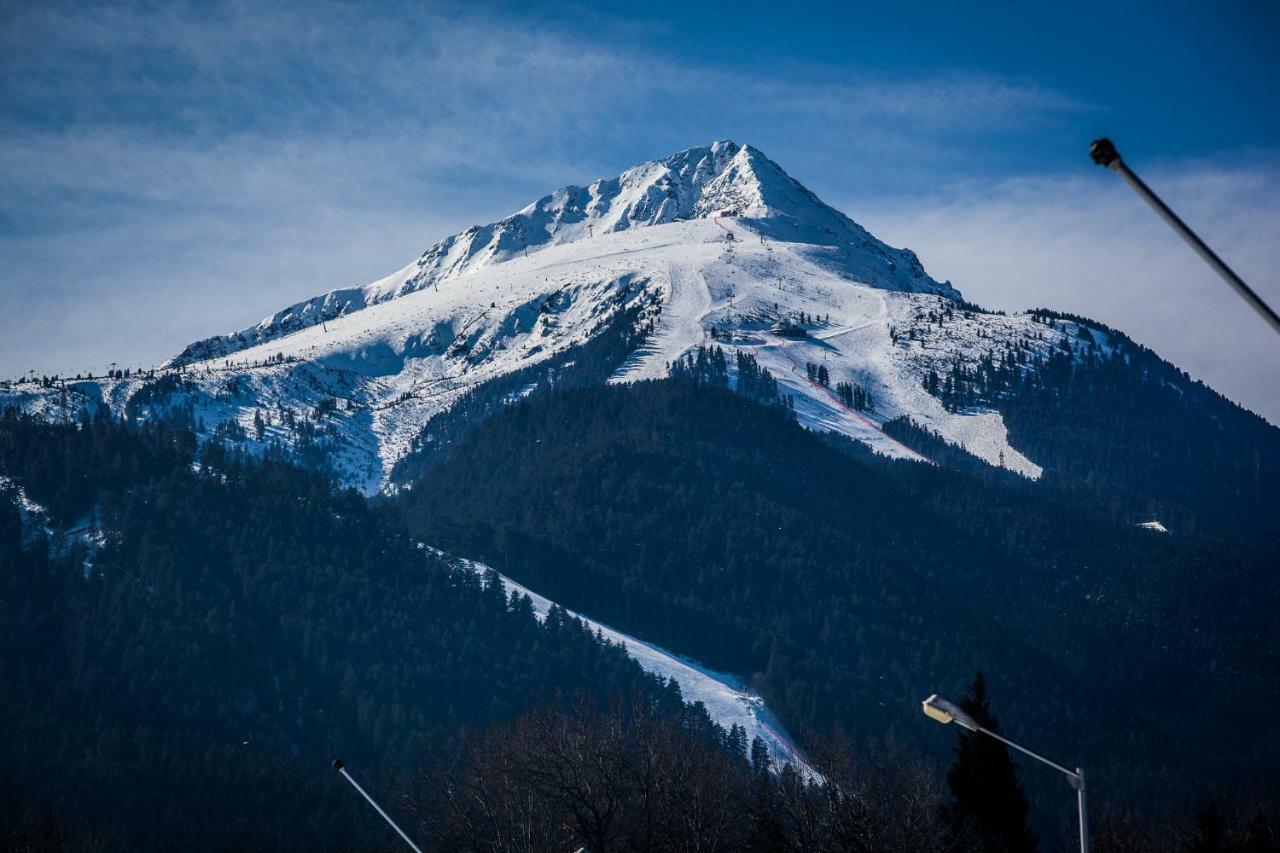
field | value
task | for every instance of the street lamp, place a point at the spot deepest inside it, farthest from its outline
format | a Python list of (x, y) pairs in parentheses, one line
[(937, 708)]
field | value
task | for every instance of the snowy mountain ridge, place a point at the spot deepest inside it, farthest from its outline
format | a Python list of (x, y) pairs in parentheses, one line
[(701, 182), (711, 246)]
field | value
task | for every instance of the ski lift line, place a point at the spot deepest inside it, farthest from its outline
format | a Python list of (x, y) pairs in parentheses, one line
[(1104, 153), (341, 768)]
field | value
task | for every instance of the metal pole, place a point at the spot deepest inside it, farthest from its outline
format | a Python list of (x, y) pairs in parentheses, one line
[(341, 768), (1084, 813), (1075, 777), (1104, 153), (1037, 756)]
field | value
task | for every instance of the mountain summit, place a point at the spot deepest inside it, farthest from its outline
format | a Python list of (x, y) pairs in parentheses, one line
[(612, 281), (720, 179), (616, 281)]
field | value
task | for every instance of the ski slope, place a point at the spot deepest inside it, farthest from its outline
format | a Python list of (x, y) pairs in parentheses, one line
[(726, 697)]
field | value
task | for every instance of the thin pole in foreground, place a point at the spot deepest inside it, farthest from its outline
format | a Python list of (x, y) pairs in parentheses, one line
[(1104, 153), (1076, 778), (1084, 811), (341, 768)]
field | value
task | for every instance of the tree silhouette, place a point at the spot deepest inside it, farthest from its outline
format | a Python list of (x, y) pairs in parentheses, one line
[(988, 813)]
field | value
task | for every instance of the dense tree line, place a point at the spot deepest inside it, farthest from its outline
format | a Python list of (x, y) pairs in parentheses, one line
[(854, 396), (709, 365), (933, 447), (703, 364), (624, 778), (197, 630), (563, 779), (848, 587), (590, 363), (756, 382), (1125, 427), (179, 666)]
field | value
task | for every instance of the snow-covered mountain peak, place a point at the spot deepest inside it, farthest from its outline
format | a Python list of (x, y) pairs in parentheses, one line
[(611, 281), (723, 179)]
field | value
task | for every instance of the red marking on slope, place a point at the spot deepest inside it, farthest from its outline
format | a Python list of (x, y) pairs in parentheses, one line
[(835, 398)]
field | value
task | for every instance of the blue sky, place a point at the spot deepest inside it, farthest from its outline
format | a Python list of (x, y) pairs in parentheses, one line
[(169, 171)]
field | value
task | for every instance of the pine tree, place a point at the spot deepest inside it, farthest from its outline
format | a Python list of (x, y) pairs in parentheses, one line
[(736, 742), (988, 813), (761, 762)]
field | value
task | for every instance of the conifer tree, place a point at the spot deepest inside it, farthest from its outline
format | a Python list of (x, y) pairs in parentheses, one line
[(736, 742), (988, 812), (761, 762)]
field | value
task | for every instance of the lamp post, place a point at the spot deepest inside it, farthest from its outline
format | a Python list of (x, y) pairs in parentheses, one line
[(342, 769), (1104, 153), (937, 708)]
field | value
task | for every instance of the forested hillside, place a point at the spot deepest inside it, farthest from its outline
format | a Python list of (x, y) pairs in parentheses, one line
[(1128, 429), (189, 633), (850, 587), (179, 667)]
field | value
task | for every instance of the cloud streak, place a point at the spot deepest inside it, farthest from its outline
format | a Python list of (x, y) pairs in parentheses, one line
[(115, 92)]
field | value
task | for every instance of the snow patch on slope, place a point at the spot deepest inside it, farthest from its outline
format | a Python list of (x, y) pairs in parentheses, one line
[(32, 517), (726, 697), (35, 525)]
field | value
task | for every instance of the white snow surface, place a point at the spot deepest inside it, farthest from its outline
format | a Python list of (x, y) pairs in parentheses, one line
[(697, 182), (32, 517), (35, 523), (713, 240), (726, 697)]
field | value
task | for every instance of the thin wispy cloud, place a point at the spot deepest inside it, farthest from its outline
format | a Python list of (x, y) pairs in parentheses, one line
[(411, 97)]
